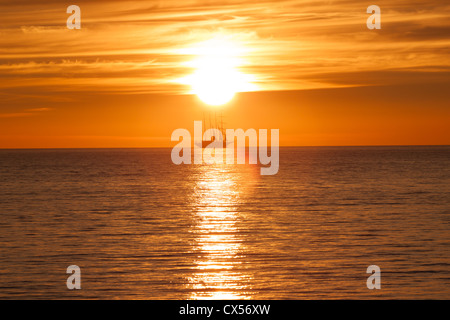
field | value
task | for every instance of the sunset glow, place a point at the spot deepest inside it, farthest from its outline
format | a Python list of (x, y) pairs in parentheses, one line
[(135, 72), (216, 76)]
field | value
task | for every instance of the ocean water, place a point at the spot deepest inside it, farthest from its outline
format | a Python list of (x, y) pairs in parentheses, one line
[(140, 227)]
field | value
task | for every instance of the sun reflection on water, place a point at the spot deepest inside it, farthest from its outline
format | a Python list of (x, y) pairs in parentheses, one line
[(219, 271)]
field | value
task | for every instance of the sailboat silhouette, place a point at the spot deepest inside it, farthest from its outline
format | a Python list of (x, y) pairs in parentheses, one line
[(217, 125)]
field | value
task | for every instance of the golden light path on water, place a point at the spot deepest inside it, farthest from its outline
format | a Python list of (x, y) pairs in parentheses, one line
[(218, 271)]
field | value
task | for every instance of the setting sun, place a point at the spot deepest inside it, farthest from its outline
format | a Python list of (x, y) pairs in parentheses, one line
[(217, 77)]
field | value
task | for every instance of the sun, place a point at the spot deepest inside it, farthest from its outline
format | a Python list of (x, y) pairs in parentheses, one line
[(217, 76), (215, 81)]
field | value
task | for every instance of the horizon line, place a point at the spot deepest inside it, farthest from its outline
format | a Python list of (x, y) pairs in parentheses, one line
[(316, 146)]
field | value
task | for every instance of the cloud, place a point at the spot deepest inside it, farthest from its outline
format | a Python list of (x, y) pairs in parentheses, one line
[(39, 109), (24, 113), (128, 46)]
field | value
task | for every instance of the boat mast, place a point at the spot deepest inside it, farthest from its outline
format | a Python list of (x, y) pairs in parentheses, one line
[(215, 120), (204, 123), (210, 122), (221, 125)]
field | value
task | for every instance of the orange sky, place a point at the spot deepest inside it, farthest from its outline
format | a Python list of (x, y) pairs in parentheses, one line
[(323, 77)]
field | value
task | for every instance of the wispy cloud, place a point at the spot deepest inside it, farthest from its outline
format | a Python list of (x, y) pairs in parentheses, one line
[(39, 109), (24, 113)]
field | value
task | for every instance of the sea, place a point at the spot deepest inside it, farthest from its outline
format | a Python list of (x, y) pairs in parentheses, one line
[(140, 227)]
